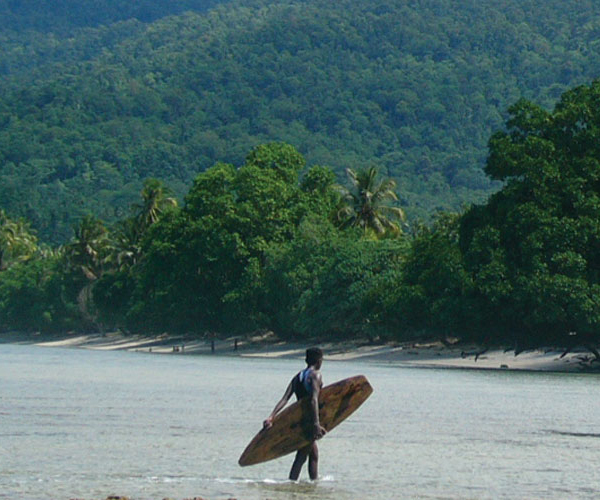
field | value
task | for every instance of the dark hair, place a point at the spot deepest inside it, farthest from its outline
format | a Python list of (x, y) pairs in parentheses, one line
[(313, 354)]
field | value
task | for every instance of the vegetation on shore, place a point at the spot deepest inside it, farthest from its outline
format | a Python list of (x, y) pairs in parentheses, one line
[(97, 96), (275, 245)]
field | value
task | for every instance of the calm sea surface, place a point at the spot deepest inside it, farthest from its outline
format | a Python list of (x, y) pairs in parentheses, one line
[(88, 424)]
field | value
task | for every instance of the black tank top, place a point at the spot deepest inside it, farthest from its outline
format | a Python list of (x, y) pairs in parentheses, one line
[(301, 384)]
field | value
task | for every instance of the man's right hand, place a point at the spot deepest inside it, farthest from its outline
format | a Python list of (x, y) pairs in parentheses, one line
[(318, 432)]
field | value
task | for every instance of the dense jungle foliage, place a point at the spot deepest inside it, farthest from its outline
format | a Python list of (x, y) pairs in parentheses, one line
[(63, 17), (275, 245), (96, 97)]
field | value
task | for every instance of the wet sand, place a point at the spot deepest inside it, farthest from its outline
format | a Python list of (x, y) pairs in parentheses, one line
[(426, 355)]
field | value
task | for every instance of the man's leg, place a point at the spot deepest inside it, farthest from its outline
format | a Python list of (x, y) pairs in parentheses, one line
[(301, 456), (313, 461)]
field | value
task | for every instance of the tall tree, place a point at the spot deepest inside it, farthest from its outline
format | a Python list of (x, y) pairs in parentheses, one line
[(88, 256), (126, 243), (17, 241), (204, 266), (128, 233), (367, 203), (89, 250), (155, 201), (534, 247)]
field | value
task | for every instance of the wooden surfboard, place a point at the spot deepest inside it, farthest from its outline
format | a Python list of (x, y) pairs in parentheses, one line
[(292, 427)]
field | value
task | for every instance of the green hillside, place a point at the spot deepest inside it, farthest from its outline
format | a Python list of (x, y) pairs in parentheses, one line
[(37, 34), (61, 17), (415, 88)]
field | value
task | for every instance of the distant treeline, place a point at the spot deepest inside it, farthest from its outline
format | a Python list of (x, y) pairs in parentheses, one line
[(272, 245), (96, 97)]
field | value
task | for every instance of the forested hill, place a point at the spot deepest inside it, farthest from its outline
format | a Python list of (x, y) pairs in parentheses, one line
[(62, 17), (34, 34), (415, 87)]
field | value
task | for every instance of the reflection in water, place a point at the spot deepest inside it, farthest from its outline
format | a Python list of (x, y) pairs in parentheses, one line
[(84, 424)]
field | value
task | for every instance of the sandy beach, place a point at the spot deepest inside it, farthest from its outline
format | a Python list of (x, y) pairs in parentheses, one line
[(426, 355)]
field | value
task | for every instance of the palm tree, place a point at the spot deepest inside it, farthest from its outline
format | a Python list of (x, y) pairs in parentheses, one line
[(128, 234), (46, 251), (154, 202), (126, 243), (89, 252), (17, 241), (366, 203), (89, 249)]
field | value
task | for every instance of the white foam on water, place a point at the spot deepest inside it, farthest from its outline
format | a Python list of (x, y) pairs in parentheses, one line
[(252, 481), (168, 479), (275, 482), (234, 480)]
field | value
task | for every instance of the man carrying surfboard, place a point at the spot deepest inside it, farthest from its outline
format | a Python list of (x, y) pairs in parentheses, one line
[(306, 383)]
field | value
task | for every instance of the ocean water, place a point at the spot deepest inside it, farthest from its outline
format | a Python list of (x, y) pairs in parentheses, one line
[(88, 424)]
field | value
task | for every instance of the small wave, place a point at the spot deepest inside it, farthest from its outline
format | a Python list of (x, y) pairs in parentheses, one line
[(168, 479), (574, 434)]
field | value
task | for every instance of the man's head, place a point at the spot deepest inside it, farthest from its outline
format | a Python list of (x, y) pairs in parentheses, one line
[(314, 356)]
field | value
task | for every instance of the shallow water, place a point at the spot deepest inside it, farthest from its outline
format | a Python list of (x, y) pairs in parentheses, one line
[(87, 424)]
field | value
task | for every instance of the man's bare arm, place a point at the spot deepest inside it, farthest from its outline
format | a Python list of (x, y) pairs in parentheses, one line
[(279, 406), (316, 383)]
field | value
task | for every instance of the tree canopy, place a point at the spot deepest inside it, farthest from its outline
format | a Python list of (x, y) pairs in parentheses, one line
[(414, 88), (258, 247), (251, 112), (533, 249)]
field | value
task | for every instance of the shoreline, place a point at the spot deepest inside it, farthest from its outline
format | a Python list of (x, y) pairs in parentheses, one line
[(415, 355)]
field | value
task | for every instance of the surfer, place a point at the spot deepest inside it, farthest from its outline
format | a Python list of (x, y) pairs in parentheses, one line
[(307, 383)]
